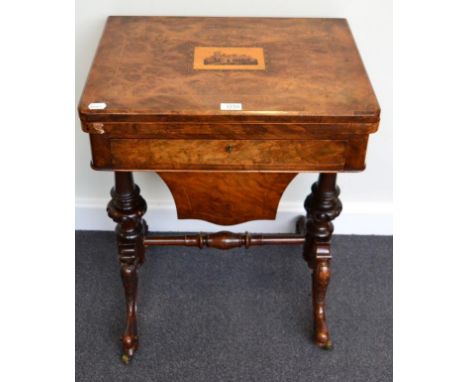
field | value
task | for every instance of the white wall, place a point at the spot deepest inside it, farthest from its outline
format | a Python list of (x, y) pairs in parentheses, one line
[(367, 196)]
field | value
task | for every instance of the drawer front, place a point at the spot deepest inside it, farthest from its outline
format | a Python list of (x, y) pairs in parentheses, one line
[(254, 155)]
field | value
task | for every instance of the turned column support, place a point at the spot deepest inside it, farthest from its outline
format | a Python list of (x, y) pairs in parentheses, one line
[(126, 208), (322, 206)]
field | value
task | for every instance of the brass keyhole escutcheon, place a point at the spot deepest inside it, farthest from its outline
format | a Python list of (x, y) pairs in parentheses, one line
[(229, 148)]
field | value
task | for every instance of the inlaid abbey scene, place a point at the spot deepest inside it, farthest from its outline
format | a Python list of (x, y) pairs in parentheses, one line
[(309, 108), (220, 58), (228, 58)]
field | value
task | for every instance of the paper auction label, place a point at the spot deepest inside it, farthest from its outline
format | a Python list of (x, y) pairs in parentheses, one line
[(230, 106)]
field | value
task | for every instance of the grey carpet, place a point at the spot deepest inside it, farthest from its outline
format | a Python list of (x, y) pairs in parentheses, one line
[(238, 315)]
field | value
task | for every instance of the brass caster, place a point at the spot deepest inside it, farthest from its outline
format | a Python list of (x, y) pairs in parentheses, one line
[(327, 345), (125, 359)]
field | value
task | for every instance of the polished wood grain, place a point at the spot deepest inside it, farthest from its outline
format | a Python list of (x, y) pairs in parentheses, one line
[(247, 130), (314, 87), (348, 153), (226, 198), (307, 105), (176, 154), (143, 70)]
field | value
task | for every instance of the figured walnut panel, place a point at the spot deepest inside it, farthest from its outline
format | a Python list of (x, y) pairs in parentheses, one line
[(143, 70), (226, 198), (298, 131), (179, 154)]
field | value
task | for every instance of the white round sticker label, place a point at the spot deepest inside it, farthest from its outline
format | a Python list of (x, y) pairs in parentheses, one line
[(97, 106)]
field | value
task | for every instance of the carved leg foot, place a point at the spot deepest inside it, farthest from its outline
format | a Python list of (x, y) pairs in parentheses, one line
[(127, 208), (322, 206), (320, 280), (129, 275)]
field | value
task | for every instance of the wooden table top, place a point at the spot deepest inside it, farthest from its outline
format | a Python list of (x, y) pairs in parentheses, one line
[(183, 68)]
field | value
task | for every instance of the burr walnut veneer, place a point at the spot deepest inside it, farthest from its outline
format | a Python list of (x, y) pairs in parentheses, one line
[(227, 111)]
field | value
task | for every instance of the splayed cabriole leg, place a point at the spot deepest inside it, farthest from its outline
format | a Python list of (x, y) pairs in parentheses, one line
[(127, 208), (322, 206)]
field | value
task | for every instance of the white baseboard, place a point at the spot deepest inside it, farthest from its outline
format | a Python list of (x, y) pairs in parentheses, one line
[(356, 218)]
